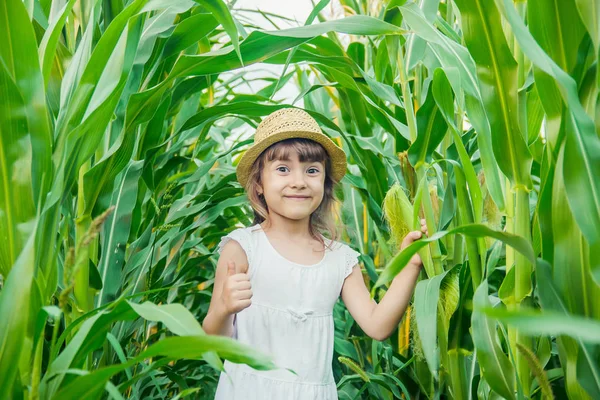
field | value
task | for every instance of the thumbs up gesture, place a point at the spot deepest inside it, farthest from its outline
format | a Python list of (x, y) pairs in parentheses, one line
[(237, 290)]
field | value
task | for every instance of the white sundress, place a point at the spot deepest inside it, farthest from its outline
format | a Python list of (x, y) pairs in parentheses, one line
[(290, 318)]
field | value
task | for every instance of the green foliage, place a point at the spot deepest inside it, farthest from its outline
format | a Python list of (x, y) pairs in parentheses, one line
[(118, 147)]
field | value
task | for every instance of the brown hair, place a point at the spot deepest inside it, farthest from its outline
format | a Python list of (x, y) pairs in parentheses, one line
[(308, 150)]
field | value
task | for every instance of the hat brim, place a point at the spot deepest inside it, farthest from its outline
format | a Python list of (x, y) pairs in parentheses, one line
[(336, 154)]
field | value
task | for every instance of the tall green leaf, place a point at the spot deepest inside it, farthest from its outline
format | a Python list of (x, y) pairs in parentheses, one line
[(222, 14), (496, 368), (16, 198), (116, 232), (582, 147), (26, 143), (578, 358), (14, 307), (497, 72), (461, 72), (47, 49), (589, 11), (444, 98), (556, 27), (431, 128), (427, 296), (181, 347), (188, 32), (548, 323)]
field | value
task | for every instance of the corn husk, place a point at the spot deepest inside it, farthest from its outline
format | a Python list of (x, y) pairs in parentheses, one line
[(398, 213), (447, 305), (408, 172)]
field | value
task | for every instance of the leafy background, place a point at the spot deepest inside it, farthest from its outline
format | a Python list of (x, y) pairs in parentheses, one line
[(121, 125)]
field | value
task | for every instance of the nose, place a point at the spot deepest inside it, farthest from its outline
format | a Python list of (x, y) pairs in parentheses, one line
[(298, 180)]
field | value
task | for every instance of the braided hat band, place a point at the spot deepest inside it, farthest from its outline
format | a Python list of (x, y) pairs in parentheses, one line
[(287, 123)]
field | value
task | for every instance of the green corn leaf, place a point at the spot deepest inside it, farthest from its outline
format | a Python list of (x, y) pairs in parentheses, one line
[(257, 47), (25, 136), (176, 317), (581, 355), (548, 323), (14, 307), (427, 295), (474, 230), (181, 347), (497, 72), (582, 146), (189, 32), (115, 232), (589, 11), (460, 69), (47, 48), (18, 51), (431, 129), (444, 98), (16, 198), (221, 13), (496, 368)]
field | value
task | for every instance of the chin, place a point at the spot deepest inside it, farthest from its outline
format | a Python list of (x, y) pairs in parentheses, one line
[(296, 216)]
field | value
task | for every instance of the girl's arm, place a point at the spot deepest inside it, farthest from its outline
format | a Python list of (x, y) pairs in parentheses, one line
[(379, 320), (218, 320)]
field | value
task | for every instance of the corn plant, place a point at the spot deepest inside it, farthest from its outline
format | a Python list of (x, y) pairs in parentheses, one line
[(470, 88)]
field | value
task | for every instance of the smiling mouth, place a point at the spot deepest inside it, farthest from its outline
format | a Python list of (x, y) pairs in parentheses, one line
[(297, 197)]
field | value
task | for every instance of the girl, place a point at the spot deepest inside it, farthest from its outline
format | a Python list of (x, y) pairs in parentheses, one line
[(277, 281)]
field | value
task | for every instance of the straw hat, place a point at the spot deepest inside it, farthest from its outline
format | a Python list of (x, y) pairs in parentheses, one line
[(284, 124)]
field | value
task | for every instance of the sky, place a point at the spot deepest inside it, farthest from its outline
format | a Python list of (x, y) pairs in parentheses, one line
[(297, 10)]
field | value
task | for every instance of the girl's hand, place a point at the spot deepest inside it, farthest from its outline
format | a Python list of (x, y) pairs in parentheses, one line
[(237, 290), (411, 237)]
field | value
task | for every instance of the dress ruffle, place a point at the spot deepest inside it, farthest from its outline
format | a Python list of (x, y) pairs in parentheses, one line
[(351, 259), (244, 238), (249, 384), (241, 236)]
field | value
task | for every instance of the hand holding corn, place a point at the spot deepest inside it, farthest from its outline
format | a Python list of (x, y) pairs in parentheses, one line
[(411, 237)]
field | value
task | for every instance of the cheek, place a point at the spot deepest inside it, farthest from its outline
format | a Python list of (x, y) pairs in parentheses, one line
[(320, 185)]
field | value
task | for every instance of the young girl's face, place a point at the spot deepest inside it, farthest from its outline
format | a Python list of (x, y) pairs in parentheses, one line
[(293, 188)]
